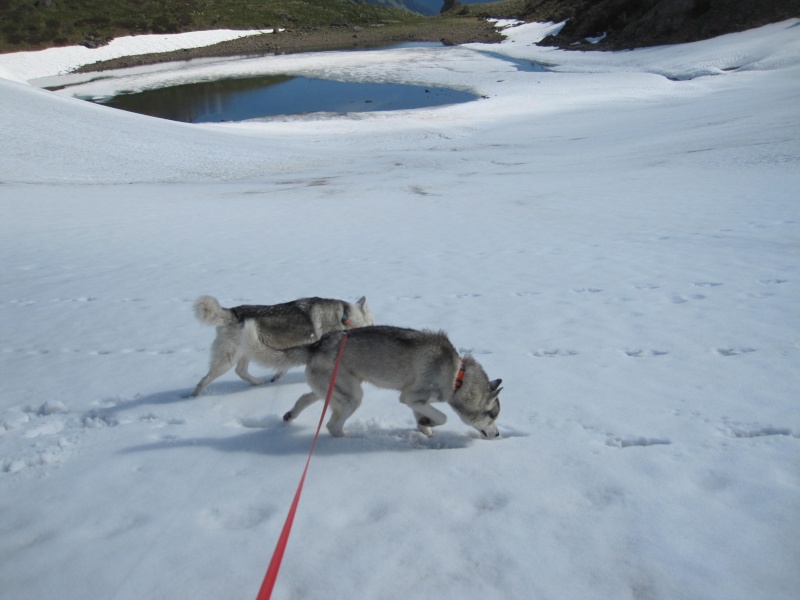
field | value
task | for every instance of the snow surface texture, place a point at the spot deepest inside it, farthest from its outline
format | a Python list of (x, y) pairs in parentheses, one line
[(614, 234)]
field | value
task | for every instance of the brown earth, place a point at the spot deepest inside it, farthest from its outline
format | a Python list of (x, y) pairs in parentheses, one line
[(448, 31)]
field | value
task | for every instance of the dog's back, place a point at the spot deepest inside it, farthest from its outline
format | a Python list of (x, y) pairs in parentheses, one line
[(279, 326), (303, 321), (394, 357)]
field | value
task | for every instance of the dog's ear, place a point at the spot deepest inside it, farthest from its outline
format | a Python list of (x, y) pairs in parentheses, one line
[(495, 385), (494, 412), (362, 302)]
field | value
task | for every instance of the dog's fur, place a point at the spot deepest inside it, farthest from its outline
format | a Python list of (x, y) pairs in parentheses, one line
[(261, 332), (422, 365)]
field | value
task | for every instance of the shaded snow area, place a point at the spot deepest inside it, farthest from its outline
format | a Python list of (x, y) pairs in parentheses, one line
[(615, 235)]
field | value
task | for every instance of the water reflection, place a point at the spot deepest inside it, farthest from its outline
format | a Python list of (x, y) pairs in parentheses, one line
[(266, 96)]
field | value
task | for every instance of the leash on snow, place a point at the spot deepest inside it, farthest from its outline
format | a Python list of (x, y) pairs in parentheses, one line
[(277, 556)]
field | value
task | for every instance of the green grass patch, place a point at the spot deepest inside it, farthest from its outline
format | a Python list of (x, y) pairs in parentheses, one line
[(36, 24)]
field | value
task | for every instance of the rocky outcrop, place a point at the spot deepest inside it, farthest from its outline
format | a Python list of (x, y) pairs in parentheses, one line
[(635, 23)]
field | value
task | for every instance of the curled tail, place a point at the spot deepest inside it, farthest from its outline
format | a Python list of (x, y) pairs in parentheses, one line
[(209, 312)]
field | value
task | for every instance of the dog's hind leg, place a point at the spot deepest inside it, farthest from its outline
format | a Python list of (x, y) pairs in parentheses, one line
[(343, 405), (241, 371), (217, 370), (303, 402), (224, 352)]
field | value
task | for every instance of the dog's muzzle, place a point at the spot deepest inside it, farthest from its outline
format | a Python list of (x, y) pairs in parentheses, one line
[(490, 435)]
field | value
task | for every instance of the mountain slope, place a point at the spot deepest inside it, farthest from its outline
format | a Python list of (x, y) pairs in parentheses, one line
[(33, 24)]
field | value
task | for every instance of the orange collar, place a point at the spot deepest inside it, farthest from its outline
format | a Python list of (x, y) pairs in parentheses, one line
[(460, 376)]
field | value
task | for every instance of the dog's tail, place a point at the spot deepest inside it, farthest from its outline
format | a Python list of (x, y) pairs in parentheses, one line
[(209, 312)]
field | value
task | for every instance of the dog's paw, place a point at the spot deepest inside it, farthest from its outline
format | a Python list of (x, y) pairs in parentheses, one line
[(336, 431), (288, 416), (426, 431)]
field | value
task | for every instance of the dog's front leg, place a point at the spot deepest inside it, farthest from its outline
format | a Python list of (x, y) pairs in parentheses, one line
[(425, 415), (423, 424)]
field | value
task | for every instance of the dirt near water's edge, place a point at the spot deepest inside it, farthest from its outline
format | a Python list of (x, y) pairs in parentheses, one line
[(450, 32)]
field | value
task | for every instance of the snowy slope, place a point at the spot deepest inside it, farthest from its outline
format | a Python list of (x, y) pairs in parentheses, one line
[(616, 237)]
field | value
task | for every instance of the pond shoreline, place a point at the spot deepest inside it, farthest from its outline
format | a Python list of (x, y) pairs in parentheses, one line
[(450, 32), (278, 96)]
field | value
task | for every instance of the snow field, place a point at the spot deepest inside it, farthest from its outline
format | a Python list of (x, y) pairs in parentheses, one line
[(620, 247)]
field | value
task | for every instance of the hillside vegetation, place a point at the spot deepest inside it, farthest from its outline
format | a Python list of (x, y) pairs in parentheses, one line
[(34, 24)]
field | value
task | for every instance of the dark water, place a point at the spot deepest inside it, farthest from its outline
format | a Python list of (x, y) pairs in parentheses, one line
[(266, 96)]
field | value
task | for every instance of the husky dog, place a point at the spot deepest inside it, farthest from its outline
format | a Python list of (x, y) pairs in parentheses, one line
[(422, 365), (261, 333)]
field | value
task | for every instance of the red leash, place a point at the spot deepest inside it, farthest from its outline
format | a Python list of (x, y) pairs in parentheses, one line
[(277, 556)]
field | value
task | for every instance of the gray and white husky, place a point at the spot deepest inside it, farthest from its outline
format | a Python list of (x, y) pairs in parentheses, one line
[(422, 365), (262, 332)]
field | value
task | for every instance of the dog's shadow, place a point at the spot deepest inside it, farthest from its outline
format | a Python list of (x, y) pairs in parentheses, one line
[(218, 388), (271, 436)]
